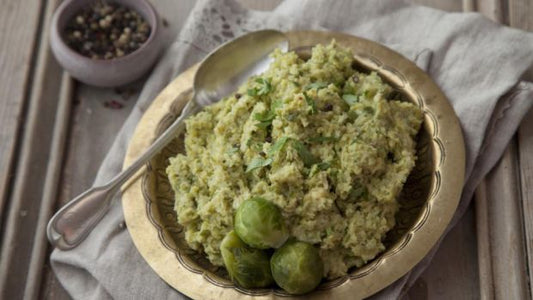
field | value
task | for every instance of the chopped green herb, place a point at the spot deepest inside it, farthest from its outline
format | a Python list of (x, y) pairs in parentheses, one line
[(256, 145), (263, 88), (257, 163), (369, 110), (295, 83), (252, 92), (292, 117), (275, 105), (323, 166), (329, 231), (357, 192), (304, 153), (278, 145), (352, 115), (322, 139), (311, 103), (350, 98), (315, 85), (264, 118), (263, 125), (232, 150)]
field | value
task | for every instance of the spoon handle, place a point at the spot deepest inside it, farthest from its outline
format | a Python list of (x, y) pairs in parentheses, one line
[(74, 221)]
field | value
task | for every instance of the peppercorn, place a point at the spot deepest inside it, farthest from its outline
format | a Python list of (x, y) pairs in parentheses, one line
[(106, 30), (327, 107)]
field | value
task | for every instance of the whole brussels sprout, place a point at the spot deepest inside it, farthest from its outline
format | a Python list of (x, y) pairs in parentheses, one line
[(297, 267), (247, 267), (259, 224)]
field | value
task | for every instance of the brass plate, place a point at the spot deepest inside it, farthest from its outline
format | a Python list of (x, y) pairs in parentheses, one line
[(428, 200)]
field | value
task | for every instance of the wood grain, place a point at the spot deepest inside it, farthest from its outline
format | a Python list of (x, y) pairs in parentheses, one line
[(521, 14), (525, 152), (19, 21), (486, 280), (506, 242), (493, 9), (452, 273), (53, 172)]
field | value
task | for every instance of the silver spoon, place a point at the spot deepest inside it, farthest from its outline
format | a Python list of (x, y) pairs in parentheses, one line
[(219, 74)]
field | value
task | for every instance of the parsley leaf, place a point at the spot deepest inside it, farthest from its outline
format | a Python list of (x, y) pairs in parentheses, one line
[(275, 105), (252, 92), (232, 150), (278, 145), (304, 153), (356, 192), (257, 163), (263, 87), (350, 98), (323, 166), (264, 118), (315, 85), (311, 103)]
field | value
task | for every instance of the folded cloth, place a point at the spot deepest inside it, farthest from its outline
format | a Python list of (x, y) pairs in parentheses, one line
[(477, 63)]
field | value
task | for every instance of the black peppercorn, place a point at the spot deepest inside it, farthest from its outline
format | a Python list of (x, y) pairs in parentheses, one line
[(106, 30)]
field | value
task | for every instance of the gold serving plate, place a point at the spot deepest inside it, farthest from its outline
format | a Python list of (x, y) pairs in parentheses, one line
[(427, 201)]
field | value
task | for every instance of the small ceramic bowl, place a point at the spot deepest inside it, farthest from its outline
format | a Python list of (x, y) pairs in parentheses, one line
[(101, 72)]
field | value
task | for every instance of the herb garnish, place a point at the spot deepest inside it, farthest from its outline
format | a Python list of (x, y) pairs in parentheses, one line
[(278, 145), (263, 88), (323, 166), (358, 192), (316, 85), (310, 102), (257, 163), (304, 153), (350, 98), (264, 118)]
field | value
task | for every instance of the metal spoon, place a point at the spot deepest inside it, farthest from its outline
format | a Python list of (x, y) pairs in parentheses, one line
[(219, 74)]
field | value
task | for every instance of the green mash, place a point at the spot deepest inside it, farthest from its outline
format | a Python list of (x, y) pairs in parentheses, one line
[(318, 139)]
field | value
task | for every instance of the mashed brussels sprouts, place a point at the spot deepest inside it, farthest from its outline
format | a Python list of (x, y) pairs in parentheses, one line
[(318, 139)]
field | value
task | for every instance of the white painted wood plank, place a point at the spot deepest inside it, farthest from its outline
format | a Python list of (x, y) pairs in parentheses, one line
[(19, 21), (53, 173), (521, 14), (452, 273), (507, 245), (486, 280), (525, 148)]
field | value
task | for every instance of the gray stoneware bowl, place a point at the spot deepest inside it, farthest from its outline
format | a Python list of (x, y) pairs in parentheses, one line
[(100, 72)]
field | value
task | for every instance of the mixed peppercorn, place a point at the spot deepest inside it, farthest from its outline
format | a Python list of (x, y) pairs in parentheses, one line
[(106, 31)]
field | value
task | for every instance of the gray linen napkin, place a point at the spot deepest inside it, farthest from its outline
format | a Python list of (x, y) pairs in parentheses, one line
[(477, 63)]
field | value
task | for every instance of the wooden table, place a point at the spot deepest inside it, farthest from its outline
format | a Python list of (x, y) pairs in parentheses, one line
[(48, 123)]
